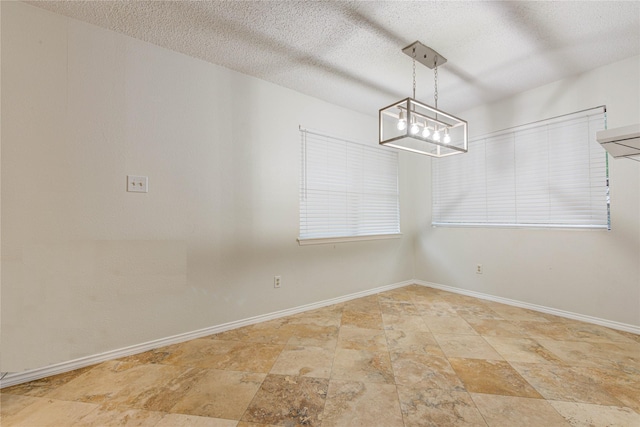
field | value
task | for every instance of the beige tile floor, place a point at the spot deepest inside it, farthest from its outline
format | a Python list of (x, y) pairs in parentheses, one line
[(413, 356)]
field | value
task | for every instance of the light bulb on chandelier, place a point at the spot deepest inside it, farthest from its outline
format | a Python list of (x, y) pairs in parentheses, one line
[(447, 138), (402, 123), (414, 126), (426, 131), (436, 135)]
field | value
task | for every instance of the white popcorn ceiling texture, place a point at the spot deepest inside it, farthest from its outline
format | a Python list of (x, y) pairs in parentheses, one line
[(349, 52)]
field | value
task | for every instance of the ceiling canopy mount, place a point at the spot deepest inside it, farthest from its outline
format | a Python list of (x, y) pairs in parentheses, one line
[(425, 55)]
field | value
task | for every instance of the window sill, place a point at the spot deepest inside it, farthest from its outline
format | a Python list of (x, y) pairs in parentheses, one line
[(519, 226), (332, 240)]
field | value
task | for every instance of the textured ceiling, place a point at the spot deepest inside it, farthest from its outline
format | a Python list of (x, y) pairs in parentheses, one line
[(349, 52)]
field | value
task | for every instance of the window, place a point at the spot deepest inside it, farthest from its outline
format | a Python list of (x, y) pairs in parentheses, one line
[(551, 173), (347, 190)]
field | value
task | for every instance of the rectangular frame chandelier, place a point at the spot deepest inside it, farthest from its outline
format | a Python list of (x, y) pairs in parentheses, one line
[(420, 128)]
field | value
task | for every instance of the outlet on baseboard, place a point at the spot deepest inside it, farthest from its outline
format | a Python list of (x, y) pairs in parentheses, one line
[(276, 281), (478, 268)]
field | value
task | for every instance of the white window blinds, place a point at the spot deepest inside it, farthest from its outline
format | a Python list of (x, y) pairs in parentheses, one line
[(547, 174), (347, 189)]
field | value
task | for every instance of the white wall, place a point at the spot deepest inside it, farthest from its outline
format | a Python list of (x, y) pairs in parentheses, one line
[(590, 272), (88, 267)]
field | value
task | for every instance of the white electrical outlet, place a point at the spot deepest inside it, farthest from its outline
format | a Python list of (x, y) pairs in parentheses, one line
[(478, 268), (137, 184), (276, 281)]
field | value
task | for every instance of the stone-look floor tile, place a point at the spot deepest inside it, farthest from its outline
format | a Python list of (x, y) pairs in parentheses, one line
[(147, 358), (404, 323), (575, 330), (361, 404), (430, 295), (413, 342), (11, 404), (238, 334), (180, 420), (466, 346), (246, 424), (495, 327), (415, 288), (509, 312), (49, 413), (630, 335), (280, 322), (426, 371), (448, 325), (163, 397), (552, 330), (115, 383), (616, 355), (588, 415), (420, 298), (259, 333), (126, 417), (425, 290), (459, 299), (362, 365), (398, 308), (288, 400), (555, 318), (492, 377), (326, 343), (625, 387), (369, 303), (321, 317), (304, 361), (395, 295), (314, 331), (595, 333), (41, 387), (355, 338), (566, 383), (436, 309), (220, 394), (314, 336), (476, 311), (331, 310), (522, 350), (500, 411), (194, 352), (362, 319), (223, 354), (436, 408)]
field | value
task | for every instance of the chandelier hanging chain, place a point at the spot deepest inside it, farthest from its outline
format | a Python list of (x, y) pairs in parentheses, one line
[(414, 73), (435, 78)]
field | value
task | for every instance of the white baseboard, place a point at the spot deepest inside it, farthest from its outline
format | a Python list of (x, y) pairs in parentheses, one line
[(570, 315), (14, 378)]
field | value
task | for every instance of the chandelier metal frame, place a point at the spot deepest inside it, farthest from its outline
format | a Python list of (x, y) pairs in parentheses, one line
[(414, 126)]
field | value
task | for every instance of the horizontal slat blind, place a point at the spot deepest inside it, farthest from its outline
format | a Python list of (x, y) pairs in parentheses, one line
[(347, 189), (548, 174)]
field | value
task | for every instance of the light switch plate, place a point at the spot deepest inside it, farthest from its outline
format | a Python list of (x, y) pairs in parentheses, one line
[(137, 184)]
